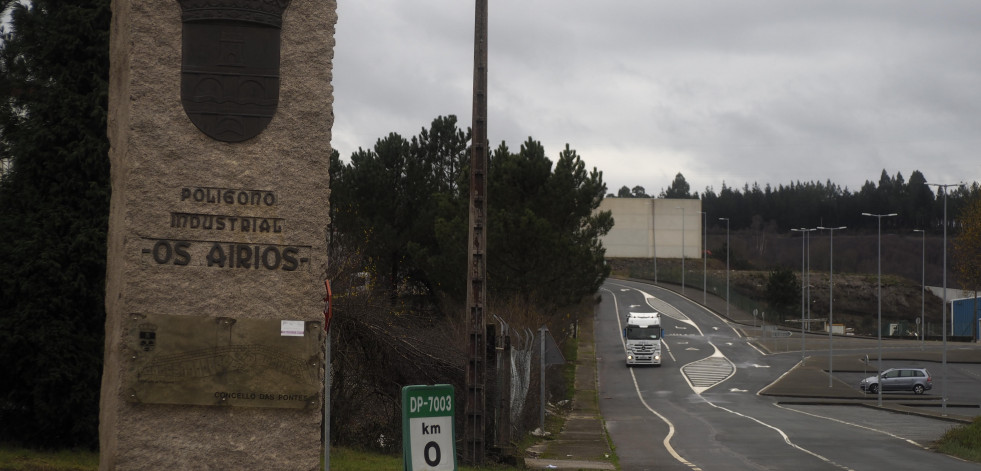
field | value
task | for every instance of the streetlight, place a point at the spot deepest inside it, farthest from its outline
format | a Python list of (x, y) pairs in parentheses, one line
[(654, 236), (831, 301), (807, 238), (682, 249), (803, 250), (704, 256), (727, 264), (943, 377), (922, 287), (879, 375)]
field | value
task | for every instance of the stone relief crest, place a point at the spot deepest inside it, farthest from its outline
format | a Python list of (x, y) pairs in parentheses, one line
[(230, 65), (148, 336)]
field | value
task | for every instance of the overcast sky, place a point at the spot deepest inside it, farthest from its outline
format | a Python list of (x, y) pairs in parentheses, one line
[(730, 92)]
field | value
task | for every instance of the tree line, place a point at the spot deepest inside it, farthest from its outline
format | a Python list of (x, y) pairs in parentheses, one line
[(917, 206), (404, 205), (54, 210), (398, 241), (810, 204)]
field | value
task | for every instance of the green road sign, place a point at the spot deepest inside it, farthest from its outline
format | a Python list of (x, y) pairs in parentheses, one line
[(428, 436)]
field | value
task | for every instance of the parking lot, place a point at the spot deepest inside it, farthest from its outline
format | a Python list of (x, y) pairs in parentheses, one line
[(963, 380)]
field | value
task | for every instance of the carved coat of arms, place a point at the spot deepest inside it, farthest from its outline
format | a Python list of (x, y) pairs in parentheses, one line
[(230, 65), (148, 337)]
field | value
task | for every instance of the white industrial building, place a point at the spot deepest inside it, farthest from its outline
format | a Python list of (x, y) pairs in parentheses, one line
[(654, 227)]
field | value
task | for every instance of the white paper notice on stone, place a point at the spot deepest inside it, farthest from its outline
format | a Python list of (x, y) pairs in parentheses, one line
[(291, 328)]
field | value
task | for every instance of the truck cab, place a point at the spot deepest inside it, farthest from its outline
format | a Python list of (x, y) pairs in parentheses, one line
[(642, 338)]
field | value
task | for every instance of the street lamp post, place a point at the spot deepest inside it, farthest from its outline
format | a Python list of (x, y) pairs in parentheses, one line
[(943, 377), (727, 264), (922, 287), (807, 238), (879, 287), (704, 256), (803, 267), (682, 249), (654, 236), (831, 301)]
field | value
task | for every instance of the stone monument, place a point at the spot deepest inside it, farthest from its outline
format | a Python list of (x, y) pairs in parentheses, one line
[(220, 113)]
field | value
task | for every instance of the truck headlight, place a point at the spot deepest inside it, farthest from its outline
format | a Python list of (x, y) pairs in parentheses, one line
[(630, 357)]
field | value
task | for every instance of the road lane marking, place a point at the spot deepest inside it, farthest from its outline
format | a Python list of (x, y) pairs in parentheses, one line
[(671, 429), (708, 372), (667, 348), (667, 438), (648, 296), (663, 307), (786, 439), (785, 373), (871, 429), (761, 352)]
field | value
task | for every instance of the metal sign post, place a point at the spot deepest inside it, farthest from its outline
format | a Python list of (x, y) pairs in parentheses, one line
[(551, 354)]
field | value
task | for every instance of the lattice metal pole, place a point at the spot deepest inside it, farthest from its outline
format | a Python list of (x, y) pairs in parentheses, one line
[(476, 275)]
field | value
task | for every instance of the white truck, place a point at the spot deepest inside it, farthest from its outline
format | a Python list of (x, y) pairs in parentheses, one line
[(642, 338)]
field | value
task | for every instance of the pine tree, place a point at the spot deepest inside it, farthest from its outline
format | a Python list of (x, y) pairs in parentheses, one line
[(967, 245), (54, 205), (679, 188), (543, 232)]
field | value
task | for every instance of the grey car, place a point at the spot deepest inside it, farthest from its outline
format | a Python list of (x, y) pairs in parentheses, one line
[(917, 380)]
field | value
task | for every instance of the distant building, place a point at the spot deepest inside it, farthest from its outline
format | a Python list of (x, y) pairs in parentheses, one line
[(653, 227), (965, 316)]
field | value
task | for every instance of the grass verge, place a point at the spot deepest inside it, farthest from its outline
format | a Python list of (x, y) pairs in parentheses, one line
[(346, 459), (341, 459), (21, 459), (963, 442)]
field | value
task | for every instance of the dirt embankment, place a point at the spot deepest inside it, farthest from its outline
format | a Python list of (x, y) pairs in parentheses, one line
[(856, 300), (854, 294)]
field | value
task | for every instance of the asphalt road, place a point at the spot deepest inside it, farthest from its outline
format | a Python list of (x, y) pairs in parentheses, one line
[(701, 409)]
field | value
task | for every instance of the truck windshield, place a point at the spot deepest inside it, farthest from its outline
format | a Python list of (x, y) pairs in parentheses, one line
[(643, 333)]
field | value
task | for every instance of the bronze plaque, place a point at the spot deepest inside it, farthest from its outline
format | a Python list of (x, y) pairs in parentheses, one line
[(220, 361), (230, 65)]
